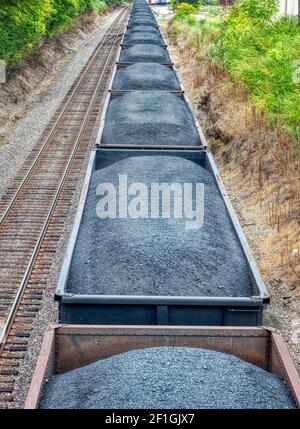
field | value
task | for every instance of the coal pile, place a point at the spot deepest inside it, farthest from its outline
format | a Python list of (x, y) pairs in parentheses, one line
[(158, 256), (140, 8), (145, 53), (144, 38), (141, 21), (149, 118), (142, 14), (141, 4), (146, 76), (168, 378), (142, 29)]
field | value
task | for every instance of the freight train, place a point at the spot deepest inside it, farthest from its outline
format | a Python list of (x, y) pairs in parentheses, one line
[(143, 272), (186, 285)]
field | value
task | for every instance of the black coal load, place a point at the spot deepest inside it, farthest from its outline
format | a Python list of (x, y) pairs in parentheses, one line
[(142, 11), (140, 8), (146, 76), (168, 378), (145, 53), (141, 21), (143, 38), (149, 118), (140, 3), (142, 29), (158, 256), (143, 17)]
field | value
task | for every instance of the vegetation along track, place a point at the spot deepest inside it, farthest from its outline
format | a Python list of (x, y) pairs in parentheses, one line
[(34, 209)]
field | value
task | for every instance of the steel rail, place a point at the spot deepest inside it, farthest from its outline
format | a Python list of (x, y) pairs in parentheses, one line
[(14, 307)]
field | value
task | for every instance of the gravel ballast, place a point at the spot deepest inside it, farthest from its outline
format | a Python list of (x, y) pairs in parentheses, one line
[(145, 53), (168, 377), (146, 76), (149, 118), (144, 38), (158, 256)]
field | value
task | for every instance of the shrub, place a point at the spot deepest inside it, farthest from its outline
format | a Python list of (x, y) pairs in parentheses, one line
[(185, 9), (261, 57)]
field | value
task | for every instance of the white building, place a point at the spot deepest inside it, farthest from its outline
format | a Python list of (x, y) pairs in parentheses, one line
[(289, 7)]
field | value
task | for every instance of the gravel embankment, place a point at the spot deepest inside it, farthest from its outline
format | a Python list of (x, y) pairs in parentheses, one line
[(145, 53), (168, 377), (149, 118), (146, 76), (158, 256)]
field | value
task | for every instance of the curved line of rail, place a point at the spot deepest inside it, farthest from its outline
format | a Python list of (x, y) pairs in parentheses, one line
[(97, 77)]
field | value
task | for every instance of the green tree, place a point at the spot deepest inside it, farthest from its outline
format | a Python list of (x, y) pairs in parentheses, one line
[(62, 14), (22, 24)]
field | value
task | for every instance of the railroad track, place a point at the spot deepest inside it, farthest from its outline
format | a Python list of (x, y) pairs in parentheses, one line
[(34, 209)]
